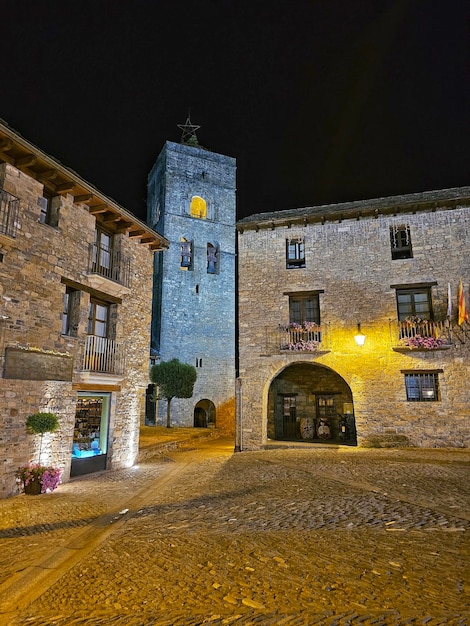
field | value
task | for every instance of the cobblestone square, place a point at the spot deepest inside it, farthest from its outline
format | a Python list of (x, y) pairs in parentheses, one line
[(202, 535)]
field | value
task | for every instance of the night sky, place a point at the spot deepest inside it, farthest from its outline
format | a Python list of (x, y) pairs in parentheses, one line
[(319, 101)]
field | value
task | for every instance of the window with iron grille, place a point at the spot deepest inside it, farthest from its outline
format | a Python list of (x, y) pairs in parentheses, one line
[(295, 253), (422, 386), (400, 240)]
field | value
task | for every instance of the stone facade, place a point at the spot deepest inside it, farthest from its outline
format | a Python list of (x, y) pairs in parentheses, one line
[(46, 257), (341, 260), (191, 201)]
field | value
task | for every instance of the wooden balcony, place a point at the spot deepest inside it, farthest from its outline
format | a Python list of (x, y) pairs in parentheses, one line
[(423, 335), (102, 355), (9, 207)]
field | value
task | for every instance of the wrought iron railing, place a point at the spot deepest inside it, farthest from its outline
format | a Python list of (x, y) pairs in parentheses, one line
[(110, 264), (102, 355), (9, 206), (306, 337), (422, 334)]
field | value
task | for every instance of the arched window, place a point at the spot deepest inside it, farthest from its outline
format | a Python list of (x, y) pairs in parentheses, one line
[(198, 207), (213, 258), (186, 254)]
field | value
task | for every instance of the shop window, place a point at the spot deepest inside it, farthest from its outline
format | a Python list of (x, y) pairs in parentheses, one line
[(422, 386), (186, 254), (295, 253), (198, 207), (212, 258), (400, 241), (71, 312), (414, 303)]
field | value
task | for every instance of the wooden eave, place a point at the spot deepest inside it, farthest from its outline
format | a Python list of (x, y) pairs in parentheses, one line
[(59, 180)]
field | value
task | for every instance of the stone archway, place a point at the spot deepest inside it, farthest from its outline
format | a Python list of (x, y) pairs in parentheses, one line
[(204, 414), (312, 403)]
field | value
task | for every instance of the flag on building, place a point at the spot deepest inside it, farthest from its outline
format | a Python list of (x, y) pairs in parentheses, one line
[(449, 301), (463, 315)]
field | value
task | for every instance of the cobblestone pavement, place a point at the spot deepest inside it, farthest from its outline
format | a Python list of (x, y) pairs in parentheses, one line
[(284, 536)]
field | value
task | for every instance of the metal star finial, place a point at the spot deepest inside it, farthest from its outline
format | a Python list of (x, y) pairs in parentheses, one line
[(189, 133)]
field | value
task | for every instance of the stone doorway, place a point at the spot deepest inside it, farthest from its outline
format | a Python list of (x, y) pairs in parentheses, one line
[(311, 403), (204, 414)]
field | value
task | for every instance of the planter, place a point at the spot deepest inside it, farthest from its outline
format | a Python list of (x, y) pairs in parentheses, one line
[(33, 488)]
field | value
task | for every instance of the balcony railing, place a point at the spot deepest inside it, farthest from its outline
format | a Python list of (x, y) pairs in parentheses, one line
[(420, 335), (306, 337), (109, 264), (9, 206), (102, 355)]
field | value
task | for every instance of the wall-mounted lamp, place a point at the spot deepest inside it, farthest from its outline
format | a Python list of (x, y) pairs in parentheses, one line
[(359, 338)]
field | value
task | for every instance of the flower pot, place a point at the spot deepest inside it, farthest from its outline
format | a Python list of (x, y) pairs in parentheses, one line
[(33, 488)]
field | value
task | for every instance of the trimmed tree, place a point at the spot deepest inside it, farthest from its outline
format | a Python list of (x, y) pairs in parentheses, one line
[(173, 380), (40, 423)]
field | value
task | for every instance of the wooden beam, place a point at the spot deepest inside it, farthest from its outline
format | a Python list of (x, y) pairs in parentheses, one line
[(26, 161), (112, 218), (83, 197), (147, 239), (136, 233), (123, 227), (6, 144), (65, 187), (98, 208), (48, 175)]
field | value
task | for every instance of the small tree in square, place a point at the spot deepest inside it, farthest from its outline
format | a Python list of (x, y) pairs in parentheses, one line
[(173, 380)]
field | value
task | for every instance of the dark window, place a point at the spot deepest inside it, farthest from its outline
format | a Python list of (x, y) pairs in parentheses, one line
[(212, 258), (400, 240), (48, 215), (414, 302), (295, 253), (98, 318), (422, 387), (186, 255), (304, 309), (102, 252), (71, 312)]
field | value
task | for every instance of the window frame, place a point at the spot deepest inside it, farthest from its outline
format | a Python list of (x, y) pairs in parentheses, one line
[(295, 253), (306, 313), (93, 320), (212, 258), (186, 252), (400, 242), (413, 308)]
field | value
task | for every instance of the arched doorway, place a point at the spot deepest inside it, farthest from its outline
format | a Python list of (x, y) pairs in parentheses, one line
[(204, 414), (310, 402)]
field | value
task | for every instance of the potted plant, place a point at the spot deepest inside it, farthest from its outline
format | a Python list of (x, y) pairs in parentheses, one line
[(37, 478)]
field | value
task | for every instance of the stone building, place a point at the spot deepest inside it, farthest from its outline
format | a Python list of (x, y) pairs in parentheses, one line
[(191, 201), (316, 282), (75, 312)]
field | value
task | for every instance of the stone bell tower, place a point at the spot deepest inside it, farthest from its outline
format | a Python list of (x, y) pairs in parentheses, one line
[(191, 201)]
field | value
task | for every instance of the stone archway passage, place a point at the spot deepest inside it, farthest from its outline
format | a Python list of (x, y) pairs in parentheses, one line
[(312, 403), (204, 414)]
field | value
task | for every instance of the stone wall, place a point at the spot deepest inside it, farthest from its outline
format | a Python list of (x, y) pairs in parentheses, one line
[(195, 320), (349, 263), (36, 266)]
